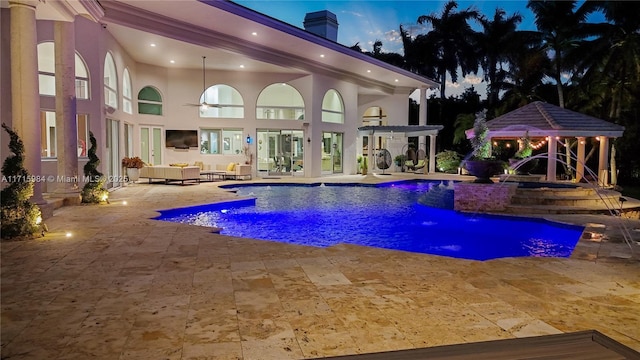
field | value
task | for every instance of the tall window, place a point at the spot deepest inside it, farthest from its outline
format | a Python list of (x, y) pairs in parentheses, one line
[(127, 93), (48, 134), (47, 69), (110, 82), (332, 107), (221, 141), (227, 102), (280, 101), (82, 121), (82, 79), (149, 101), (47, 72)]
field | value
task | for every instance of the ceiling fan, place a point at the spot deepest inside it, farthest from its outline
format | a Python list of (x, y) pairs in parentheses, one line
[(203, 105)]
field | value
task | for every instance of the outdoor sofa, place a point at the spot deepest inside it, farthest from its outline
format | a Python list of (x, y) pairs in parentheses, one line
[(168, 173)]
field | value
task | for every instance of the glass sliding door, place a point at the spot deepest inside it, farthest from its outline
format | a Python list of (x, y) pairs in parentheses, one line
[(128, 140), (332, 154), (113, 163), (280, 152), (151, 144)]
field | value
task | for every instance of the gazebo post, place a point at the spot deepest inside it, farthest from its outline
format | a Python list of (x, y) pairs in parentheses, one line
[(552, 155), (580, 160), (603, 162)]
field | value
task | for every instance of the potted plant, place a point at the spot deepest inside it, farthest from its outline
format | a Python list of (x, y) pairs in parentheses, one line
[(481, 164), (518, 163), (399, 160), (133, 165), (359, 160), (365, 168)]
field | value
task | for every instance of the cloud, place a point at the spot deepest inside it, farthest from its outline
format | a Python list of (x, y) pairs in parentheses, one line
[(454, 85), (472, 79), (354, 13)]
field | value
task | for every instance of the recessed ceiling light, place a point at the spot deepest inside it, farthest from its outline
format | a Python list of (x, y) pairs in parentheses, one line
[(254, 33), (368, 71), (172, 61), (152, 45), (241, 66), (321, 55), (396, 80)]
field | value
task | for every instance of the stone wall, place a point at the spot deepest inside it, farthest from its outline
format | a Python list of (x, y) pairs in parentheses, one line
[(485, 198)]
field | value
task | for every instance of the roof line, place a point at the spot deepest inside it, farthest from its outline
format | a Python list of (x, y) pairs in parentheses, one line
[(540, 106), (274, 23)]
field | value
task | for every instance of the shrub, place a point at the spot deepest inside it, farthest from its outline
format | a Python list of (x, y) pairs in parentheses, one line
[(93, 191), (448, 161), (480, 140), (20, 217)]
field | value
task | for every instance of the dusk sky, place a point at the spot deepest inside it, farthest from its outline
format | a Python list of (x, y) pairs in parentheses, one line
[(364, 22)]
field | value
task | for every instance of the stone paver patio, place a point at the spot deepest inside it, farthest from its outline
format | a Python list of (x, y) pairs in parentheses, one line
[(127, 287)]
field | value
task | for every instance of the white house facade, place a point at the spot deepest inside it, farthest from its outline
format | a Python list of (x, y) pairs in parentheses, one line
[(187, 81)]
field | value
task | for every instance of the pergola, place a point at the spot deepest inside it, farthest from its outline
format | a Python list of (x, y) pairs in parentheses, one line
[(407, 131), (543, 120)]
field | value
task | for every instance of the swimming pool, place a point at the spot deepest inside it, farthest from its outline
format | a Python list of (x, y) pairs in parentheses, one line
[(385, 216)]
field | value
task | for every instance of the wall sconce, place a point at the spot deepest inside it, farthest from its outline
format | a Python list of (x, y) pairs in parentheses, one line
[(249, 140), (308, 139)]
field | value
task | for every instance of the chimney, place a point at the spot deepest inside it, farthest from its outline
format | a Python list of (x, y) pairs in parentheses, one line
[(323, 23)]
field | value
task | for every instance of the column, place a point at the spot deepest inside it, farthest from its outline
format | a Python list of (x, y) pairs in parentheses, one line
[(603, 162), (370, 149), (25, 96), (432, 154), (422, 111), (422, 114), (66, 128), (552, 155), (580, 159)]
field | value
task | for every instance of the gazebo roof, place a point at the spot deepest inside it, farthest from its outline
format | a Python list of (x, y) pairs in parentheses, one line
[(543, 119)]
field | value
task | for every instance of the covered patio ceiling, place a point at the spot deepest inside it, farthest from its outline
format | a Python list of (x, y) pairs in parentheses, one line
[(408, 130)]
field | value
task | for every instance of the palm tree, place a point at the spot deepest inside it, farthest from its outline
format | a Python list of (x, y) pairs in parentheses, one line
[(611, 61), (419, 54), (454, 42), (527, 67), (561, 28), (498, 37)]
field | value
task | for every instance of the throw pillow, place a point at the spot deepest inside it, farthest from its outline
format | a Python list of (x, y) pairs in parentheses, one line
[(231, 166)]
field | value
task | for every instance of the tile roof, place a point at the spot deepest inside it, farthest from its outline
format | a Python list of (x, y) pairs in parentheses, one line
[(540, 118)]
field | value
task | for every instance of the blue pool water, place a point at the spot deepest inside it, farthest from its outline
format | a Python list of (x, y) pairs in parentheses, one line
[(386, 216)]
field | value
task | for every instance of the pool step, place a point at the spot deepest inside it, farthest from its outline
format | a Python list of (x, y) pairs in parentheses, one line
[(580, 200), (579, 197)]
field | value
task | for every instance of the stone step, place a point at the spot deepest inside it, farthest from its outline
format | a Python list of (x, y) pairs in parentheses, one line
[(585, 201), (547, 192), (630, 205), (555, 209)]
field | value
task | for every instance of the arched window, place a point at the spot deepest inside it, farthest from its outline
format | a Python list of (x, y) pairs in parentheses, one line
[(280, 101), (149, 101), (226, 102), (374, 115), (127, 93), (332, 107), (47, 72), (110, 82)]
